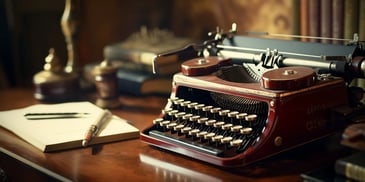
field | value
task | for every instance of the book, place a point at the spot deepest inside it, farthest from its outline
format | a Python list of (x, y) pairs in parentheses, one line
[(314, 19), (323, 174), (139, 83), (337, 20), (50, 134), (326, 20), (351, 17), (304, 29), (352, 166), (142, 47), (134, 82), (296, 18), (164, 69)]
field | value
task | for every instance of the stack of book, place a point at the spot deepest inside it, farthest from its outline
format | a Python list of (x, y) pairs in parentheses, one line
[(331, 18), (350, 167), (134, 58)]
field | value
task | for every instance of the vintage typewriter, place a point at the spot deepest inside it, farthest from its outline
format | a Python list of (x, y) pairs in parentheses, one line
[(240, 99)]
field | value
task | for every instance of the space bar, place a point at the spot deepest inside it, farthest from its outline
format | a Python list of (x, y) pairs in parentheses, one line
[(186, 143)]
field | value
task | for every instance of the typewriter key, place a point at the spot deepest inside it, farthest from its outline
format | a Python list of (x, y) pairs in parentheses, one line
[(226, 140), (246, 131), (157, 121), (194, 132), (187, 116), (209, 136), (227, 126), (172, 99), (194, 118), (163, 125), (198, 108), (250, 119), (179, 115), (192, 105), (236, 143), (217, 138), (171, 126), (202, 120), (171, 114), (209, 124), (218, 124), (241, 117), (165, 111), (178, 128), (236, 128), (201, 134), (186, 129)]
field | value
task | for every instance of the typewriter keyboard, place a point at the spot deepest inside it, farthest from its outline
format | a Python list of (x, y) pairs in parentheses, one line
[(208, 128)]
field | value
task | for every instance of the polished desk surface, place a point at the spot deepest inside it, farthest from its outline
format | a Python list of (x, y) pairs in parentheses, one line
[(133, 160)]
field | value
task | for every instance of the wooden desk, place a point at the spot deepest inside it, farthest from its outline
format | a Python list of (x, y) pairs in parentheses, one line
[(134, 160)]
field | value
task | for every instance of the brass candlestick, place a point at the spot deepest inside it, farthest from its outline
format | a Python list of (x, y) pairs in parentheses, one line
[(106, 83), (53, 83), (56, 83), (70, 29)]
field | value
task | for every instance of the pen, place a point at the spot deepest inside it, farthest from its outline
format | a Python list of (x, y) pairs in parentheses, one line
[(54, 115), (94, 128)]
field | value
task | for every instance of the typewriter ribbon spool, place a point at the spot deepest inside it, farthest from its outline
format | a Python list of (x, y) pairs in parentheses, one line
[(288, 78)]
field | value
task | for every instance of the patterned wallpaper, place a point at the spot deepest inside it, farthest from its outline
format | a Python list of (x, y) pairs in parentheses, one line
[(202, 16)]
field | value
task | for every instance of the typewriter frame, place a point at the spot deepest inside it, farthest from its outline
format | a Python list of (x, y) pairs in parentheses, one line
[(314, 119)]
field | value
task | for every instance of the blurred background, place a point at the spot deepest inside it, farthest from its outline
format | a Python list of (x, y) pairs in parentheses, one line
[(28, 29)]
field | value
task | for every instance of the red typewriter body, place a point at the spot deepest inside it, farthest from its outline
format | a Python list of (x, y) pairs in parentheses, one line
[(230, 114), (289, 119)]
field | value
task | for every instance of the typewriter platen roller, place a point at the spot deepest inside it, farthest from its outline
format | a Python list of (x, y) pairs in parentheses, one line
[(243, 102)]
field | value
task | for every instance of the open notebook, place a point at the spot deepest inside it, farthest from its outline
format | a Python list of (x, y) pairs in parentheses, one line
[(66, 133)]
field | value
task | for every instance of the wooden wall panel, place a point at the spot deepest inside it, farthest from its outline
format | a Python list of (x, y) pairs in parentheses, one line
[(37, 24)]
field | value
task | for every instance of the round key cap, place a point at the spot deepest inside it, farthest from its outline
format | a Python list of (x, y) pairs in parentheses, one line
[(217, 138), (199, 106), (172, 112), (210, 122), (207, 108), (178, 101), (179, 115), (165, 111), (179, 127), (218, 124), (194, 118), (251, 117), (201, 134), (224, 112), (226, 139), (185, 103), (241, 115), (185, 129), (192, 105), (232, 114), (171, 125), (236, 128), (193, 132), (164, 123), (187, 116), (209, 136), (235, 143), (246, 131), (215, 110), (227, 126), (157, 121), (202, 120)]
